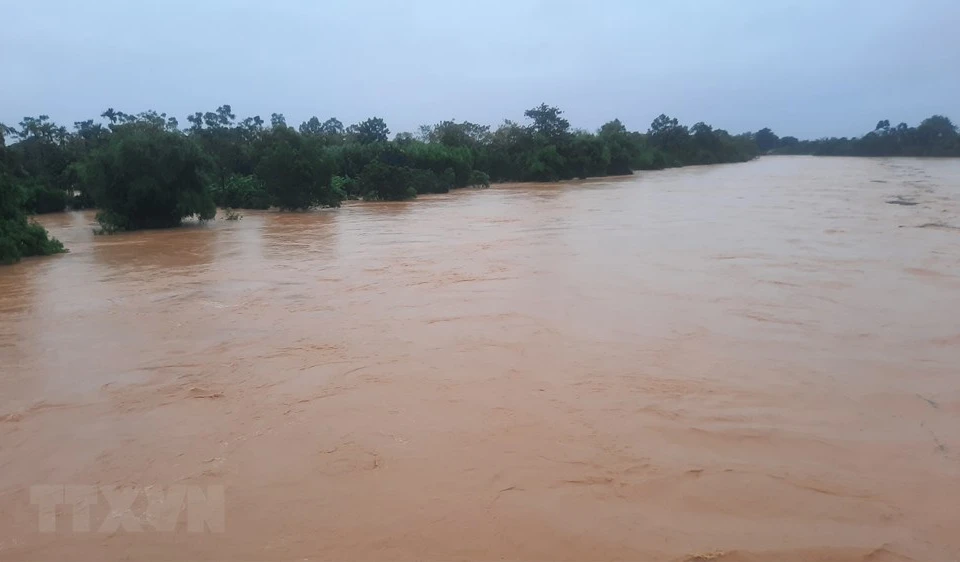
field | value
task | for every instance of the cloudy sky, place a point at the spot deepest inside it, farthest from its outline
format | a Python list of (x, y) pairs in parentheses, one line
[(807, 68)]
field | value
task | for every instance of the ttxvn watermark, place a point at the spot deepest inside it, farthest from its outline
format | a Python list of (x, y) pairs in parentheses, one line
[(108, 509)]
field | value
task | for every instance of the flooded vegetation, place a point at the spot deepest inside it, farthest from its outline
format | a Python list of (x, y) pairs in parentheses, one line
[(143, 171), (738, 362)]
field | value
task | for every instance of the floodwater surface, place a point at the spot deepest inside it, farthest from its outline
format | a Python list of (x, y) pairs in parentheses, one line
[(745, 362)]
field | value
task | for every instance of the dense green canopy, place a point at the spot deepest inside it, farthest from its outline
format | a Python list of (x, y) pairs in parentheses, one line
[(19, 238), (143, 171)]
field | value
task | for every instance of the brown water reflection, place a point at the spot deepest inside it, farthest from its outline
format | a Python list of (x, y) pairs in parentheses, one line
[(755, 359)]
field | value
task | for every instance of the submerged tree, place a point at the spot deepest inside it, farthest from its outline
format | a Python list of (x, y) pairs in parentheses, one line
[(148, 177), (386, 182), (296, 171), (766, 139), (19, 238)]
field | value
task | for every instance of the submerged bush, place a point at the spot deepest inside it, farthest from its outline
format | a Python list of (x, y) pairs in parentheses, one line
[(425, 181), (479, 179), (241, 192), (19, 237), (345, 185), (231, 215), (386, 182), (296, 171)]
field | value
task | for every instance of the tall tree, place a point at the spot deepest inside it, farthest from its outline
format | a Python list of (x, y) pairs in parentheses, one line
[(547, 121), (766, 139), (370, 131)]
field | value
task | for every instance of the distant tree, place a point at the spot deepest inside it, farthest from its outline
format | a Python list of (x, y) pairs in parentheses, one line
[(455, 134), (935, 136), (311, 127), (332, 126), (222, 118), (372, 130), (277, 120), (330, 130), (252, 125), (547, 121), (663, 124), (670, 137), (766, 139), (612, 128), (111, 115), (6, 131), (936, 130)]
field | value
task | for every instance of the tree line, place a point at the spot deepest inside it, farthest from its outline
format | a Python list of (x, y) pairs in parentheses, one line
[(144, 170), (934, 136)]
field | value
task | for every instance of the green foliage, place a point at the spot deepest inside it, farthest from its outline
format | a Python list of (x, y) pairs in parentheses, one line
[(766, 139), (479, 179), (545, 164), (142, 171), (547, 121), (428, 181), (346, 185), (438, 158), (251, 164), (381, 181), (369, 131), (451, 133), (40, 199), (148, 177), (241, 192), (19, 237), (296, 171)]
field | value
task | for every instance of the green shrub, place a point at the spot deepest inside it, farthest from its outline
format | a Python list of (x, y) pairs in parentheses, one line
[(425, 181), (241, 192), (345, 185), (479, 179), (41, 199), (380, 181), (19, 237), (297, 171)]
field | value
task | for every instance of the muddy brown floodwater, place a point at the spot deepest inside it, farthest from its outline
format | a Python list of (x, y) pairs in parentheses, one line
[(744, 362)]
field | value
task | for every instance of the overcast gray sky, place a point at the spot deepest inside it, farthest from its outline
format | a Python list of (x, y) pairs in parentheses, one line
[(805, 68)]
